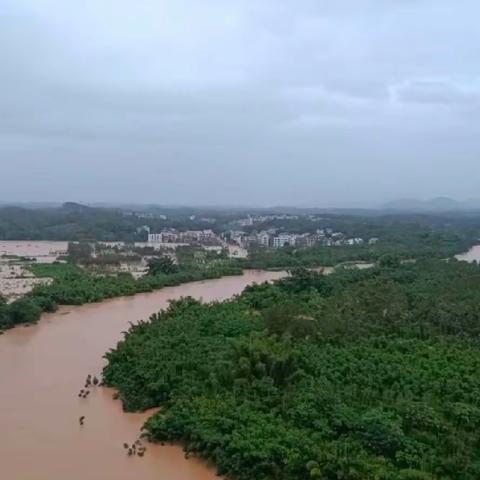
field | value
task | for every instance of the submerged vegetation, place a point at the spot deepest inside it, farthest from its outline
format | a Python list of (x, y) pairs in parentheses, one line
[(73, 285), (361, 375)]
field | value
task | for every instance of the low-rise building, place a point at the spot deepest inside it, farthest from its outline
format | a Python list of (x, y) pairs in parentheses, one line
[(354, 241)]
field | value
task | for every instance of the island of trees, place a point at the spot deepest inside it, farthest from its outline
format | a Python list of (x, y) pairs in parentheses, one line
[(361, 375)]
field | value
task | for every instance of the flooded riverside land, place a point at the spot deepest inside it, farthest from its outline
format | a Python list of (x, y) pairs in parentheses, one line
[(473, 255), (15, 278), (42, 369), (42, 251)]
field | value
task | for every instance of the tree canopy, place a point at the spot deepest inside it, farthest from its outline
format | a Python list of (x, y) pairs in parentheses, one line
[(371, 374), (162, 265)]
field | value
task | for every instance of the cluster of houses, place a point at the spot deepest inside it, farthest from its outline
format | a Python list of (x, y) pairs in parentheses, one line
[(252, 220), (171, 235), (144, 215), (271, 238)]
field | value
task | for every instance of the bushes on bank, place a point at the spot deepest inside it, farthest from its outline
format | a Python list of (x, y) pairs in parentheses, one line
[(23, 310), (73, 286)]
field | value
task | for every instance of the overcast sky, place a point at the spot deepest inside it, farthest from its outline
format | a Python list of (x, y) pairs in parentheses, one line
[(254, 102)]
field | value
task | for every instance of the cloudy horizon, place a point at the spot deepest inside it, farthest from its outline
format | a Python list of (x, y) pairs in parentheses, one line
[(307, 103)]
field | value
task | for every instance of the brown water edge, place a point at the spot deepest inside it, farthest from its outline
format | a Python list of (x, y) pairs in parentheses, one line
[(42, 368)]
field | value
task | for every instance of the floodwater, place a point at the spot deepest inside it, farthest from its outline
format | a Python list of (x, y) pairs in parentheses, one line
[(471, 256), (42, 369), (42, 250), (15, 279)]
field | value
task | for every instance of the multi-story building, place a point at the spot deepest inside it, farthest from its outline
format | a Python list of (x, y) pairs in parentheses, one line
[(304, 240), (245, 222), (155, 238), (283, 240), (264, 239), (237, 236), (190, 236)]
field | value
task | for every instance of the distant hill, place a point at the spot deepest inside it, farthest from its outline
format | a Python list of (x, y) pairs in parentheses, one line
[(76, 207), (438, 204)]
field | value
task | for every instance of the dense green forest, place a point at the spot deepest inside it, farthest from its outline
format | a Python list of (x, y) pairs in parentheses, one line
[(404, 241), (360, 375), (75, 222)]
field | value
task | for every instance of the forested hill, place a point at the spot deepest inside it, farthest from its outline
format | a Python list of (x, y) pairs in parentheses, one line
[(70, 222), (361, 375), (76, 222)]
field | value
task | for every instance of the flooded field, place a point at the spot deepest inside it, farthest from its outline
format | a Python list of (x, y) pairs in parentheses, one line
[(473, 255), (42, 369), (42, 251), (15, 278)]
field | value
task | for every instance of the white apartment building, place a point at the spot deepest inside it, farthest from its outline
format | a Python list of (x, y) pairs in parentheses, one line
[(264, 239), (283, 240), (354, 241), (173, 236), (155, 238)]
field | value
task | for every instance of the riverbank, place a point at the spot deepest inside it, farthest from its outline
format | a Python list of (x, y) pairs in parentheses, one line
[(42, 369), (62, 284), (72, 285)]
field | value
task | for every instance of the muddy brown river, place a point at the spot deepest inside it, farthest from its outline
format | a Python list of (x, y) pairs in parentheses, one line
[(42, 368)]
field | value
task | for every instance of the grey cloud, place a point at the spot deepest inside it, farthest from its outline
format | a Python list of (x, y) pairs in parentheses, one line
[(294, 102), (438, 92)]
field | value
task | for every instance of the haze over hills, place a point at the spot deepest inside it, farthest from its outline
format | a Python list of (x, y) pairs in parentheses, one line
[(437, 204), (402, 205)]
